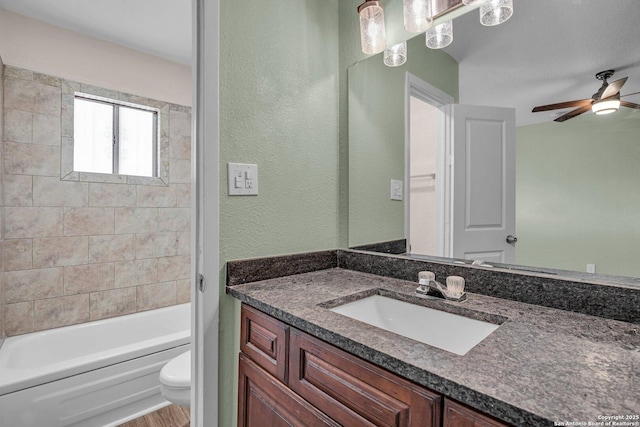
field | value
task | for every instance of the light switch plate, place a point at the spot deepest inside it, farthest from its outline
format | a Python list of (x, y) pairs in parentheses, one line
[(396, 189), (242, 179)]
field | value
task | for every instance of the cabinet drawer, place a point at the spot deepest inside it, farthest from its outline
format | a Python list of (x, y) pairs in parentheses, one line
[(355, 392), (458, 415), (264, 401), (265, 340)]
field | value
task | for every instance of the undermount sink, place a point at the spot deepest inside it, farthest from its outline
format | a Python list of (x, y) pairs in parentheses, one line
[(447, 331)]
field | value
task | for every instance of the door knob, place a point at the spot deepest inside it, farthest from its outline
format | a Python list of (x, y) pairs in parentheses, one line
[(511, 239)]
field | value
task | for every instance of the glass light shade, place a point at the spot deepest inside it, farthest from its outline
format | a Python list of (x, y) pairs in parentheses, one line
[(440, 36), (495, 12), (417, 15), (396, 55), (605, 107), (372, 33)]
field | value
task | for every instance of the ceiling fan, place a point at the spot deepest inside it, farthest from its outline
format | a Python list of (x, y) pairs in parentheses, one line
[(606, 100)]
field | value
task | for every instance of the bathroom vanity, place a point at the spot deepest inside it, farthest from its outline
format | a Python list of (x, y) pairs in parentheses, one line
[(302, 362)]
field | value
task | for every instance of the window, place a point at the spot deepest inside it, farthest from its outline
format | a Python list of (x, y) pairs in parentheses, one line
[(112, 137)]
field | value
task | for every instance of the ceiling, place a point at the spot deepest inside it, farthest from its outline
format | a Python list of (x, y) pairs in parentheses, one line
[(548, 52)]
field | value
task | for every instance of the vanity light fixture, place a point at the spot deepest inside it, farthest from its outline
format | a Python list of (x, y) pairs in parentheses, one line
[(417, 15), (396, 55), (440, 36), (372, 32), (606, 106), (495, 12)]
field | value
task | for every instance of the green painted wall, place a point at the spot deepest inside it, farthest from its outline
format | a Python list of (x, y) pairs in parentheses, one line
[(376, 136), (279, 109), (578, 198)]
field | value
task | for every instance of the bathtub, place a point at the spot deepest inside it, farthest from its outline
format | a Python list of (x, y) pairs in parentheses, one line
[(100, 373)]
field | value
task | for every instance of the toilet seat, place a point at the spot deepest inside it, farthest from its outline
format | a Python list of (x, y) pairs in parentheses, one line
[(175, 380)]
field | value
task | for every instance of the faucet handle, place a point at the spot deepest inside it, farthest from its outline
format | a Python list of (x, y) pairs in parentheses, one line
[(455, 285), (426, 275)]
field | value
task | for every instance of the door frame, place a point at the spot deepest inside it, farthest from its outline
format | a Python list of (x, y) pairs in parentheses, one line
[(418, 88)]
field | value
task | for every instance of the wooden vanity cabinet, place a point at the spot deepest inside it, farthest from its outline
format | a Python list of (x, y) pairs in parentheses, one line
[(458, 415), (289, 378)]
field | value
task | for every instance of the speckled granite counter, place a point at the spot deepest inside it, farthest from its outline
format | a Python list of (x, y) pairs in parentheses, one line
[(541, 366)]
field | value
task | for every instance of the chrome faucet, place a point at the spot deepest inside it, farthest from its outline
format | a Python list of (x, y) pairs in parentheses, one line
[(427, 284)]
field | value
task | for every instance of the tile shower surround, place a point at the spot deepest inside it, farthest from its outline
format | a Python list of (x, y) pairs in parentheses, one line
[(96, 246)]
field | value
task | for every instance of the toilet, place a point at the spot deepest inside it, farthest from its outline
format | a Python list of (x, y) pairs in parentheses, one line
[(175, 380)]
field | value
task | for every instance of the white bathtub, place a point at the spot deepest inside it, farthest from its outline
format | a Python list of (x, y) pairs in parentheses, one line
[(100, 373)]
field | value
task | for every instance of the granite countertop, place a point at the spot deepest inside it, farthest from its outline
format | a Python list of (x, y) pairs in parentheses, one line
[(542, 366)]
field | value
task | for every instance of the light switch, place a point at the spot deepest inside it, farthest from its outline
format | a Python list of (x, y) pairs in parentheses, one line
[(243, 179), (396, 189)]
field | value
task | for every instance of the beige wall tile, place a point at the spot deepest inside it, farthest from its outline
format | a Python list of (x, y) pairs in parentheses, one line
[(155, 196), (61, 311), (156, 295), (136, 220), (179, 171), (183, 192), (147, 271), (32, 284), (87, 221), (183, 291), (174, 219), (18, 126), (111, 248), (31, 159), (18, 254), (180, 147), (48, 99), (112, 303), (18, 318), (46, 130), (184, 243), (174, 268), (27, 222), (18, 190), (60, 251), (154, 245), (51, 191), (88, 278), (179, 124), (125, 274), (19, 94), (116, 195)]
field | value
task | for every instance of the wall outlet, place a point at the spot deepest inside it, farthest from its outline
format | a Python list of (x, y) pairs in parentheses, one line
[(396, 189), (243, 179)]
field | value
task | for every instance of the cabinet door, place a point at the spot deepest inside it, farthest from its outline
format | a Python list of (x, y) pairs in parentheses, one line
[(265, 340), (354, 392), (263, 401), (458, 415)]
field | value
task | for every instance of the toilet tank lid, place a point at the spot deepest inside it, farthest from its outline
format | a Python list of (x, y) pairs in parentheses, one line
[(177, 372)]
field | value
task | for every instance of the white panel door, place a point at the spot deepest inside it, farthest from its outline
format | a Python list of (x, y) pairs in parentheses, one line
[(483, 184)]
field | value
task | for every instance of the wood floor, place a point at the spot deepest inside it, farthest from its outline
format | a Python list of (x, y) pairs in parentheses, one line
[(169, 416)]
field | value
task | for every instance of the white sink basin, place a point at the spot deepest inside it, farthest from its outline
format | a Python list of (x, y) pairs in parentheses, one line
[(450, 332)]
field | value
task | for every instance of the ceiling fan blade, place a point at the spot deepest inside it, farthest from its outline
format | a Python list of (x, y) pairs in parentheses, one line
[(573, 113), (629, 94), (629, 105), (613, 88), (561, 105)]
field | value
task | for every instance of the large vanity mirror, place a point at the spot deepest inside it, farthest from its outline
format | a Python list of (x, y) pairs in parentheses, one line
[(577, 183)]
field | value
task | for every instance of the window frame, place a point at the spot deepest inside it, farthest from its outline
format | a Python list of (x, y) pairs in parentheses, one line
[(115, 126), (72, 89)]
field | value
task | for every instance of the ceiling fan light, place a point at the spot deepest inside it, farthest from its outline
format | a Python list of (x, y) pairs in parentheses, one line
[(495, 12), (372, 32), (417, 15), (605, 107), (440, 36), (396, 55)]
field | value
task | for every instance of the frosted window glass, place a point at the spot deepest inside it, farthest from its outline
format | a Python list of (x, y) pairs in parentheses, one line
[(93, 136), (136, 142)]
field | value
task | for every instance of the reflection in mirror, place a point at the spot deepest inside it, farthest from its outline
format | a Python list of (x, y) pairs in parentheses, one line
[(577, 197)]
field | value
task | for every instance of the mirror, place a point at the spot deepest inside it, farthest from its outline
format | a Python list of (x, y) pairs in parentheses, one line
[(577, 182)]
